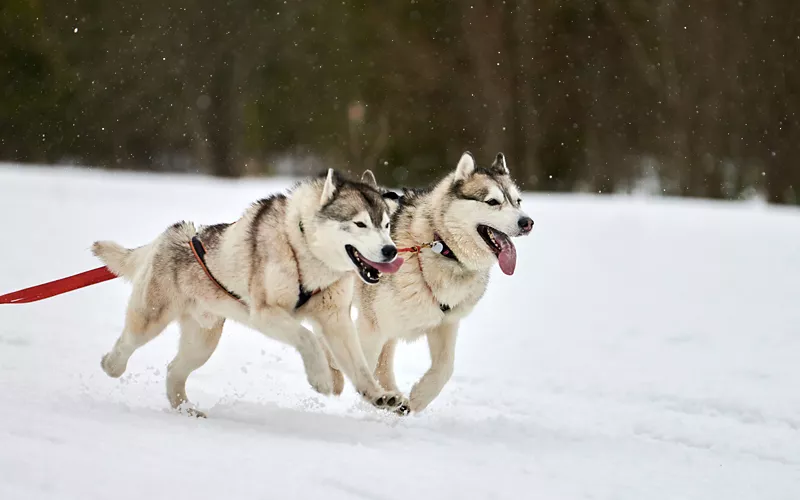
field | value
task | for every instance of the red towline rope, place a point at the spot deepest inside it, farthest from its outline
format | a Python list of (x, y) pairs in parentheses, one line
[(58, 287), (436, 246), (413, 249)]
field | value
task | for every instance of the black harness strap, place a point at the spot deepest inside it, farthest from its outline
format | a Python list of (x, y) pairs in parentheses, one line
[(199, 252), (303, 296)]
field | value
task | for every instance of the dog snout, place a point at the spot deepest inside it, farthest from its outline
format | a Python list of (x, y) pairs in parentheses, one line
[(389, 252), (525, 224)]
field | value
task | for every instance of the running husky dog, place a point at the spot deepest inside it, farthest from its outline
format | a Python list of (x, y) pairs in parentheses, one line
[(288, 258), (466, 220)]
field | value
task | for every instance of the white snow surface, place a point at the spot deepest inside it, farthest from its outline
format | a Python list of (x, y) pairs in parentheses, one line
[(645, 349)]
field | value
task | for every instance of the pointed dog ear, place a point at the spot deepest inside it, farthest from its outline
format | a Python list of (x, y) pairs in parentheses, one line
[(466, 167), (392, 201), (329, 189), (499, 166), (368, 178)]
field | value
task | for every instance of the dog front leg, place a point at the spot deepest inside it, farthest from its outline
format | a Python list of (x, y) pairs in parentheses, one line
[(338, 378), (378, 351), (442, 345), (371, 340), (340, 333), (277, 323), (385, 369), (280, 325)]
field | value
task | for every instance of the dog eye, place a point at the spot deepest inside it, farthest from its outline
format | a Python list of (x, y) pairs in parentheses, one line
[(360, 224), (519, 201), (387, 225), (492, 203)]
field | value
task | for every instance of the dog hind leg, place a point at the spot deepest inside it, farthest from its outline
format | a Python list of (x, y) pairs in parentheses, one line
[(143, 323), (195, 348)]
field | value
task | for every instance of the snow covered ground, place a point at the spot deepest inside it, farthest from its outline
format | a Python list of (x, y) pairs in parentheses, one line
[(645, 349)]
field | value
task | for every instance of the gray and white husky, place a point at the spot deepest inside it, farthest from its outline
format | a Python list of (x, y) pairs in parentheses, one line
[(468, 218), (289, 258)]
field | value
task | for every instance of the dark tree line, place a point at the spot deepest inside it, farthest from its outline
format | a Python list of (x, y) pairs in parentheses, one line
[(697, 98)]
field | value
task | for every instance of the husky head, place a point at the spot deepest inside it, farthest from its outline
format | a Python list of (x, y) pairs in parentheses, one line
[(483, 212), (353, 223)]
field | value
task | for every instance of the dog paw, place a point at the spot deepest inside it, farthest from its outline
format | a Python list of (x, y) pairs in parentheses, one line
[(391, 401), (190, 411), (113, 370), (319, 373), (322, 381)]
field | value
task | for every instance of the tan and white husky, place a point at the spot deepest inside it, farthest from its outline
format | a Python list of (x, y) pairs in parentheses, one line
[(288, 258), (467, 219)]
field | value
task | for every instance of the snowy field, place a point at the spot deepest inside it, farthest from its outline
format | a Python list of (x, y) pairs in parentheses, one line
[(644, 350)]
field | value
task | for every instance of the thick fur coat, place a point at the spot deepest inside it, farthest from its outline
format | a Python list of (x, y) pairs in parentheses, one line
[(289, 258), (472, 212)]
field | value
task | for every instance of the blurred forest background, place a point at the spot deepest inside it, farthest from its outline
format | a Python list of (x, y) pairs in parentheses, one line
[(676, 97)]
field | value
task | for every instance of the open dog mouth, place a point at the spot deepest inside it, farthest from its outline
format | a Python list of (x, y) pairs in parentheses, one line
[(371, 271), (501, 246)]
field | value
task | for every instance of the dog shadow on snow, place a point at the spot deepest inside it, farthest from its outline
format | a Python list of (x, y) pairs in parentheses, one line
[(364, 425), (346, 423), (358, 426)]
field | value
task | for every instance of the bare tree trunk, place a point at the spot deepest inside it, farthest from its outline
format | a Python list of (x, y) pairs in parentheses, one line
[(527, 131), (220, 121), (484, 35)]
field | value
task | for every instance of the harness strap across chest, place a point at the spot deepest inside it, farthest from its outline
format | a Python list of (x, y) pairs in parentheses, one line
[(199, 252)]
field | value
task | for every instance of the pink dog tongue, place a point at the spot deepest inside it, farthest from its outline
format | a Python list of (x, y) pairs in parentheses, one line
[(387, 267), (507, 258)]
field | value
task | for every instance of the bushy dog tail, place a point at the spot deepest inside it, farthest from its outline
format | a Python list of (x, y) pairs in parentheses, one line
[(122, 261)]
